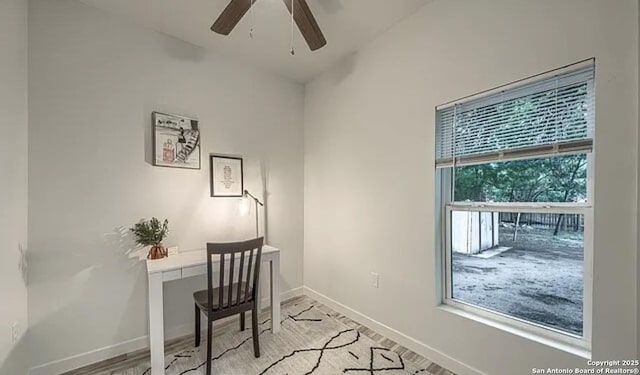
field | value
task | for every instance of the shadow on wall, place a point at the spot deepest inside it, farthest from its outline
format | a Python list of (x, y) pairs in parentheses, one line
[(343, 68), (331, 6), (17, 361), (148, 135), (180, 49), (56, 261), (264, 174), (23, 264), (81, 277), (122, 241)]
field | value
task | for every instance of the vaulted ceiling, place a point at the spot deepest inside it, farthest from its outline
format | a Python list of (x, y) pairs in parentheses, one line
[(346, 24)]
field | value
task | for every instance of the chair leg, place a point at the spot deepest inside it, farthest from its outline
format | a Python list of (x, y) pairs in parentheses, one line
[(242, 321), (197, 326), (209, 343), (255, 329)]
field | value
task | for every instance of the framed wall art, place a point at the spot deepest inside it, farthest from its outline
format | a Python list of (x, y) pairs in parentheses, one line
[(176, 141), (226, 176)]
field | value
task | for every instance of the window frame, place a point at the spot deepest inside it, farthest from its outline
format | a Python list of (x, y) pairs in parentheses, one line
[(586, 209), (444, 206)]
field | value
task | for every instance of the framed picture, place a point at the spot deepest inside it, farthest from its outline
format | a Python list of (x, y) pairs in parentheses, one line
[(226, 176), (176, 141)]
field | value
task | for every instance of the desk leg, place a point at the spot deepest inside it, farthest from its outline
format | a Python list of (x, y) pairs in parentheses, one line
[(156, 324), (275, 293)]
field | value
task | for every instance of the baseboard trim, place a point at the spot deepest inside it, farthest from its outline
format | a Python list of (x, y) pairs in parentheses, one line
[(292, 293), (84, 359), (397, 336), (61, 366)]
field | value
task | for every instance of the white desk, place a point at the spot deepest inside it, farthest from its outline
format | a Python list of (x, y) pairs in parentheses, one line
[(189, 264)]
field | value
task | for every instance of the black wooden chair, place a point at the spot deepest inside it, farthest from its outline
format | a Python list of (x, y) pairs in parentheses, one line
[(232, 295)]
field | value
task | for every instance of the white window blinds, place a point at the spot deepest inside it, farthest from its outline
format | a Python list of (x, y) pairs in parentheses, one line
[(543, 117)]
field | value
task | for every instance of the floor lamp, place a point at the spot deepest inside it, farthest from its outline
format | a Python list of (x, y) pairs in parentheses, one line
[(258, 202)]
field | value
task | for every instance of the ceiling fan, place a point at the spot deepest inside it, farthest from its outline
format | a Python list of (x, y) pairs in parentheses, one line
[(302, 15)]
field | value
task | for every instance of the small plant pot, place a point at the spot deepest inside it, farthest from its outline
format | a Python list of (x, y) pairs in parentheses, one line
[(157, 252)]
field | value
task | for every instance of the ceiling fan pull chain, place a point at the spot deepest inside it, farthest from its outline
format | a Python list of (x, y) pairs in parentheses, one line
[(293, 51), (253, 20)]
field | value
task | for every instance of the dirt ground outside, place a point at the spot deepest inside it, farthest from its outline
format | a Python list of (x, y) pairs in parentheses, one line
[(540, 279)]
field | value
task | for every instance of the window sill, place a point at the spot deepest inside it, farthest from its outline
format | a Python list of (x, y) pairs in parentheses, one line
[(563, 346)]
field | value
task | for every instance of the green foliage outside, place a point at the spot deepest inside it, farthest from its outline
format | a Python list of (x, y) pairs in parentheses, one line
[(150, 232), (555, 179)]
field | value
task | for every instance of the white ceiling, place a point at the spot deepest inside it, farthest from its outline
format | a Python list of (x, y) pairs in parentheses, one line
[(346, 24)]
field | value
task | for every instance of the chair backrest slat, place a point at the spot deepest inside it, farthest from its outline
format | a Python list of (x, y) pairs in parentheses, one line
[(209, 281), (240, 272), (256, 276), (247, 286), (231, 269), (221, 283), (251, 249)]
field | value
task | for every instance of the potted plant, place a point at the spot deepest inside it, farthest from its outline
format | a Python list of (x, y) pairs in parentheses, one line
[(151, 233)]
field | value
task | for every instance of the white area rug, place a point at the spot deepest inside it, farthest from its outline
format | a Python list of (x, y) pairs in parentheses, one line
[(313, 340)]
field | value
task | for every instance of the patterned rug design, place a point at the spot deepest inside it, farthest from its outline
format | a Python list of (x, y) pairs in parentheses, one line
[(313, 340)]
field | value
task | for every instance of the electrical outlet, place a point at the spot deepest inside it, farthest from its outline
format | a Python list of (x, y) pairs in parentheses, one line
[(172, 251), (375, 280), (14, 332)]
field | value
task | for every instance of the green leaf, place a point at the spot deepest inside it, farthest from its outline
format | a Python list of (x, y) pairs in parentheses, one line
[(150, 232)]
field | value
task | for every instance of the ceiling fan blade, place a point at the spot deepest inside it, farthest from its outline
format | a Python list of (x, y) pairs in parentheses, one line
[(231, 15), (307, 24)]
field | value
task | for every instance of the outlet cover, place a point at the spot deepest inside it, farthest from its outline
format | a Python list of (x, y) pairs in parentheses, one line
[(375, 280), (14, 332), (172, 251)]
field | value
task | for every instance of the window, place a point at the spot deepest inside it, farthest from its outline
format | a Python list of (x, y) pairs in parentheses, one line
[(514, 170)]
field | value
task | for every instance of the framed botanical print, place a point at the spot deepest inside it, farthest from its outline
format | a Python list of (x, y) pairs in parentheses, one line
[(176, 141), (226, 176)]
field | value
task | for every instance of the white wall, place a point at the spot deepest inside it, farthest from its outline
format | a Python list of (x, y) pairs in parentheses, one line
[(369, 175), (13, 184), (94, 81)]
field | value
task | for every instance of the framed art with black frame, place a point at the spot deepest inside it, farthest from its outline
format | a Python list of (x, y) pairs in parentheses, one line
[(226, 176)]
